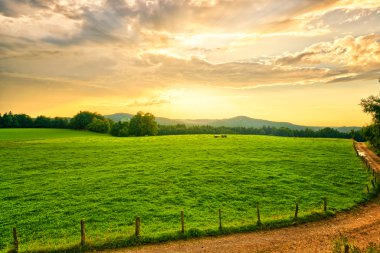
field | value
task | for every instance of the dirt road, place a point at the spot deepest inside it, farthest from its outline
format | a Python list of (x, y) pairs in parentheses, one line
[(371, 157), (360, 226)]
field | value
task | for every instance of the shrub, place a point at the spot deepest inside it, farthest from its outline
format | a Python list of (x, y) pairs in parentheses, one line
[(99, 126), (120, 129)]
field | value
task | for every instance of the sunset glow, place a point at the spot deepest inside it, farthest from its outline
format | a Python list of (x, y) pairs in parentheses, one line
[(303, 61)]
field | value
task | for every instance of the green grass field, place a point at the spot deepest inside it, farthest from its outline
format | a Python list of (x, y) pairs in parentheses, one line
[(51, 179)]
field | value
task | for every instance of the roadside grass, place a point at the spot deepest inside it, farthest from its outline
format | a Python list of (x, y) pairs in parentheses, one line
[(372, 148), (51, 179), (342, 245)]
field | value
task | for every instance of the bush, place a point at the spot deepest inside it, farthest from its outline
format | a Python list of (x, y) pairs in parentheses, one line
[(83, 119), (99, 126), (120, 129)]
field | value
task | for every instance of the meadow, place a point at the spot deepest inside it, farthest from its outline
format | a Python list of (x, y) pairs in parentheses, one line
[(50, 179)]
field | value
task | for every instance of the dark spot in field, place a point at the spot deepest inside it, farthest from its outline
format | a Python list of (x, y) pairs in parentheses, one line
[(337, 184), (10, 197)]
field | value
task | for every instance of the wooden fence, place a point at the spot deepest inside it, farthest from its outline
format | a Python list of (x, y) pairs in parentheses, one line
[(368, 164)]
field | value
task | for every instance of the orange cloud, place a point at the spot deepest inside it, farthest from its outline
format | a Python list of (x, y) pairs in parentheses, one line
[(360, 53)]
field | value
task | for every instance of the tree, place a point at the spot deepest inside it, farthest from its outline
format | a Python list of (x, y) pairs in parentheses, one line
[(284, 131), (135, 125), (59, 122), (110, 122), (82, 119), (357, 135), (371, 105), (42, 122), (24, 120), (99, 125), (9, 120), (143, 124), (120, 129), (148, 125)]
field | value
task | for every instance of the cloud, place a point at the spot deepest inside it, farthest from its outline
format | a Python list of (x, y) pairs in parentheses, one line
[(149, 102), (369, 75), (36, 29), (49, 83), (166, 42), (169, 69), (163, 98), (127, 21), (16, 8), (48, 61), (353, 53), (347, 58)]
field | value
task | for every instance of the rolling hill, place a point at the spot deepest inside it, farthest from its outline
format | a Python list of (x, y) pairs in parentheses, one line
[(239, 121)]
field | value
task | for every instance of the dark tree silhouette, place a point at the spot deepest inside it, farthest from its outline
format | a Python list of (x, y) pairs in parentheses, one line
[(82, 119), (42, 122), (120, 129)]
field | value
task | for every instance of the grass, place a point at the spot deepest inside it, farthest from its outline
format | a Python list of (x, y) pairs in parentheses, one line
[(342, 245), (51, 179)]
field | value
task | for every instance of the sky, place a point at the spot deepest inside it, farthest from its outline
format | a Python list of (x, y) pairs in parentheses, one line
[(302, 61)]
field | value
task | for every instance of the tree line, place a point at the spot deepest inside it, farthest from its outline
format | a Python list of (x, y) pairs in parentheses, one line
[(265, 130), (10, 120), (140, 125), (143, 124)]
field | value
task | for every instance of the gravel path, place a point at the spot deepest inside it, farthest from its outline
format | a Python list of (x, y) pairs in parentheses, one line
[(360, 226)]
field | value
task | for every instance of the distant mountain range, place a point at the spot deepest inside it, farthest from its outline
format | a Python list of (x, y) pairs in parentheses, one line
[(239, 121)]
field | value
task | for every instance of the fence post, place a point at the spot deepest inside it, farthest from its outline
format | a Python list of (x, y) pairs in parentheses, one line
[(325, 204), (182, 223), (82, 233), (258, 215), (296, 212), (373, 184), (137, 227), (15, 239), (220, 219)]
